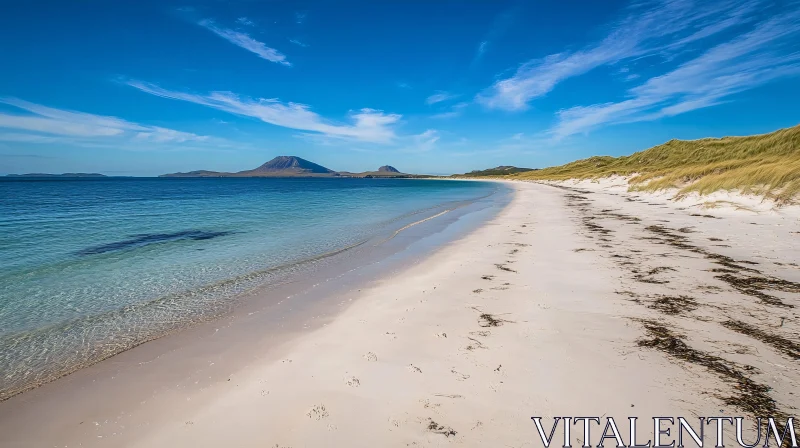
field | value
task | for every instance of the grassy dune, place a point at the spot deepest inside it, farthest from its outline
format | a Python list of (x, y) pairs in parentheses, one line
[(767, 164)]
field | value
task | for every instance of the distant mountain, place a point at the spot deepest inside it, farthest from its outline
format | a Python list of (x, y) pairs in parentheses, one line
[(281, 166), (57, 175), (292, 166), (496, 171)]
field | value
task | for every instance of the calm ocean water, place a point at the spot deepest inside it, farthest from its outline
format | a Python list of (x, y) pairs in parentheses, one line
[(89, 268)]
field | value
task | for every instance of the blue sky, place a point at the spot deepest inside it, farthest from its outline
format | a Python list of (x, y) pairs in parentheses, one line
[(148, 87)]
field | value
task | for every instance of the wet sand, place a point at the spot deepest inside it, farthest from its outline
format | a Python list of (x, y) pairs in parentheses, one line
[(569, 302)]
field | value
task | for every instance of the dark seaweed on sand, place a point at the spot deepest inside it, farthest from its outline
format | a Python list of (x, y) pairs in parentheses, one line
[(753, 284), (490, 321), (751, 397), (673, 305), (783, 345)]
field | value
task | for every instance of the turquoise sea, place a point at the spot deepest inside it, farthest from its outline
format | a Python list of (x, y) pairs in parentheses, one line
[(92, 267)]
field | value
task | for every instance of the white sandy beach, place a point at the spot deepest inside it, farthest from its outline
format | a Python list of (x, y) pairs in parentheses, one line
[(569, 303)]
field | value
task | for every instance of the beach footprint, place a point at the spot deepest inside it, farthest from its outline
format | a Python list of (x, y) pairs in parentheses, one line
[(440, 429), (474, 344), (318, 412), (459, 376), (495, 387), (413, 368)]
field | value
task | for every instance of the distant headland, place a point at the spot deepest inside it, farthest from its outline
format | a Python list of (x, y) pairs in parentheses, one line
[(292, 166), (57, 175), (502, 170)]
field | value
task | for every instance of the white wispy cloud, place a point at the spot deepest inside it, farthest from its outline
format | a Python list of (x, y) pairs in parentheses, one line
[(244, 21), (501, 23), (454, 111), (44, 124), (243, 40), (423, 142), (368, 125), (649, 27), (482, 48), (766, 52), (164, 135), (28, 138), (439, 97), (427, 139), (298, 43)]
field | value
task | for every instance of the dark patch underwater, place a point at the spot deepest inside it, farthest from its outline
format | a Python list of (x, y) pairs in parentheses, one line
[(146, 239)]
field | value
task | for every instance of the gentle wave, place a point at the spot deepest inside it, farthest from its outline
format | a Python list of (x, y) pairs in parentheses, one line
[(396, 232)]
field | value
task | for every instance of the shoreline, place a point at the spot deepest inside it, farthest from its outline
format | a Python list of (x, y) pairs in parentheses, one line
[(563, 290), (216, 300), (272, 315)]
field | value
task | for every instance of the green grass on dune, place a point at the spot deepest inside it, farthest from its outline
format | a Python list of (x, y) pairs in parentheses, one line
[(767, 164)]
